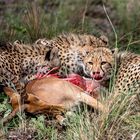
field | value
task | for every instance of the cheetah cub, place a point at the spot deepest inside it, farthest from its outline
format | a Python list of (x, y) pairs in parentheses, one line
[(100, 65), (20, 62)]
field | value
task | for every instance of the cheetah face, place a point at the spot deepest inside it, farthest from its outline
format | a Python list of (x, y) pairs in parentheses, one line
[(99, 64)]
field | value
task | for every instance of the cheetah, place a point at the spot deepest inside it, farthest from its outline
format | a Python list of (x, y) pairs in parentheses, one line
[(128, 76), (72, 48), (99, 64), (103, 62), (20, 62)]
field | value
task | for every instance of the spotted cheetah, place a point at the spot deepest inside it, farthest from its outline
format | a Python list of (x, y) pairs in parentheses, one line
[(20, 62), (72, 48), (101, 63)]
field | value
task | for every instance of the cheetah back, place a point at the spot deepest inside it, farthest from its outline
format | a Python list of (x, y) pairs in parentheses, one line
[(19, 62)]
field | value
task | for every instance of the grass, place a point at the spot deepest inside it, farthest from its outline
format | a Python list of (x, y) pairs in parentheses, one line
[(29, 22), (120, 123)]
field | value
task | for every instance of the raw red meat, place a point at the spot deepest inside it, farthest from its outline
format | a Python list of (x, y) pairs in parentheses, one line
[(88, 85)]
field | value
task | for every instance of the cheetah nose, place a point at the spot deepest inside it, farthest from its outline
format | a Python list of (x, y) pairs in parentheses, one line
[(94, 73), (97, 75)]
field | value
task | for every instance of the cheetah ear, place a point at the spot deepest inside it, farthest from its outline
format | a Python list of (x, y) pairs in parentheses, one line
[(54, 59), (42, 41), (38, 41), (54, 53), (18, 42), (114, 51), (104, 39), (47, 56), (52, 56)]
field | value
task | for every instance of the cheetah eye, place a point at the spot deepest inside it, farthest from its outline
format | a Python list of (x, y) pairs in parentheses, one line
[(91, 63), (104, 62)]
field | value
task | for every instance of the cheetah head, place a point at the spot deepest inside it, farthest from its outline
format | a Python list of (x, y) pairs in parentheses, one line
[(52, 52), (100, 63)]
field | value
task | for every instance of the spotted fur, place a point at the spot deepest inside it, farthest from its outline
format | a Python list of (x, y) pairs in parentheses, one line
[(72, 48), (20, 62), (128, 76), (99, 64), (126, 64)]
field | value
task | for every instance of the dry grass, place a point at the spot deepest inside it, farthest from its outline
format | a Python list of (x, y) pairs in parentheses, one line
[(121, 122), (34, 22)]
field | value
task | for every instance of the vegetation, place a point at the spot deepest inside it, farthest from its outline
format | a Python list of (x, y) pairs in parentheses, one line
[(28, 21)]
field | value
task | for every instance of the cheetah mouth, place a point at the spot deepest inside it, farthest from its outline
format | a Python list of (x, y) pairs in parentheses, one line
[(97, 77)]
